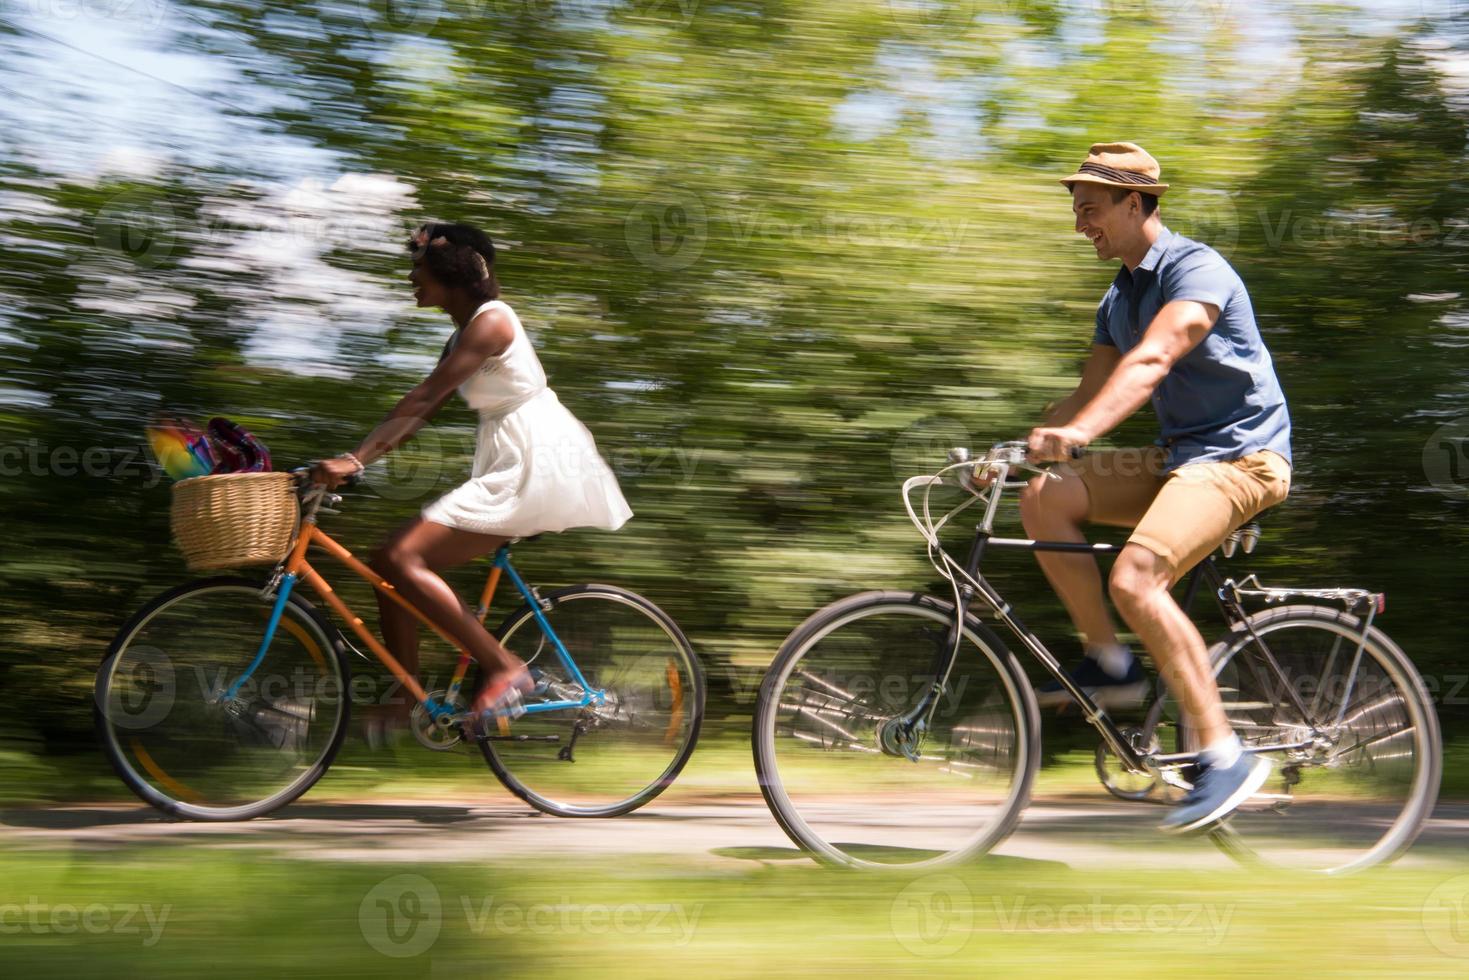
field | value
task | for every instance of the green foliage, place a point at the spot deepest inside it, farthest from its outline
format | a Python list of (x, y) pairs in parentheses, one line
[(777, 255)]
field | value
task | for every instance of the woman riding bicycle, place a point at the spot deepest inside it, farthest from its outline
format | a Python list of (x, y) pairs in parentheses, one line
[(536, 467)]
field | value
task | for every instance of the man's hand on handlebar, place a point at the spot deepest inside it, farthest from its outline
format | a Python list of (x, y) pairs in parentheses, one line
[(1053, 445)]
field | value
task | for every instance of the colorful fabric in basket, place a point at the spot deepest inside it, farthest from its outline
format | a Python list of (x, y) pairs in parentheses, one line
[(235, 449), (183, 450)]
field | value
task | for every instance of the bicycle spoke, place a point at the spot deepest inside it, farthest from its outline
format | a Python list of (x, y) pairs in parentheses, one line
[(605, 758), (849, 778), (1326, 672), (1351, 789), (181, 743)]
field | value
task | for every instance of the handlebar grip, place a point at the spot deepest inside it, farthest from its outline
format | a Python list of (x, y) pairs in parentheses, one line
[(303, 475)]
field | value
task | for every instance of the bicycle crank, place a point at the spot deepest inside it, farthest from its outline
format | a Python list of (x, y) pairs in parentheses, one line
[(442, 733)]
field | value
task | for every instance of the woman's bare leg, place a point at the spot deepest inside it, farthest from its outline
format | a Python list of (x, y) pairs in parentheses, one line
[(410, 560)]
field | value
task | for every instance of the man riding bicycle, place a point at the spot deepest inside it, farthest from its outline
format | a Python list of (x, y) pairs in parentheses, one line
[(1176, 329)]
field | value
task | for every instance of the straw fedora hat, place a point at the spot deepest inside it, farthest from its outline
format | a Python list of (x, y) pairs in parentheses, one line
[(1124, 165)]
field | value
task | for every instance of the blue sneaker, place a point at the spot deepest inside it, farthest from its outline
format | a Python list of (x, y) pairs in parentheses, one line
[(1107, 691), (1216, 793)]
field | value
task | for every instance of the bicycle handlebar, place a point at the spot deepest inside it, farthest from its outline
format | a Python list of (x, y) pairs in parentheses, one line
[(303, 476), (314, 496), (1014, 454)]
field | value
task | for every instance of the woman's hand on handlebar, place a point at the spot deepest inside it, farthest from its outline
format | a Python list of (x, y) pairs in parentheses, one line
[(1055, 444), (332, 473)]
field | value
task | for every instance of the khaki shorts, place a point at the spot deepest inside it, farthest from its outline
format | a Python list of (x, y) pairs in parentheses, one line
[(1184, 515)]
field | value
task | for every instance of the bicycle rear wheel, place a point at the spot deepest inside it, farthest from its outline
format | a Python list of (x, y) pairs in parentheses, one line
[(840, 775), (610, 757), (1359, 795), (182, 746)]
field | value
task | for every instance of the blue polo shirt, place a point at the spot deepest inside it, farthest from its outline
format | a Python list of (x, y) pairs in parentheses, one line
[(1221, 400)]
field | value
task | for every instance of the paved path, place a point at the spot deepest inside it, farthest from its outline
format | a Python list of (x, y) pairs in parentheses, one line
[(1080, 832)]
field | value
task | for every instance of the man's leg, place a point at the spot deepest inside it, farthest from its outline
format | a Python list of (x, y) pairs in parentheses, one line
[(1054, 510), (1226, 776), (1140, 586), (1198, 506), (1195, 510), (1107, 487)]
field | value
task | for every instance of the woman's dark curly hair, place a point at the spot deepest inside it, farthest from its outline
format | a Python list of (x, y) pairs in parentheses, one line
[(460, 256)]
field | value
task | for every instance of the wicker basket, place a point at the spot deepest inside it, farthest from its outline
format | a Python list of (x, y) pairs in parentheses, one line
[(235, 519)]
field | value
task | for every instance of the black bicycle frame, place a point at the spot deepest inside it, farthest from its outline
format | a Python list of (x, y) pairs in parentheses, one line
[(1205, 571)]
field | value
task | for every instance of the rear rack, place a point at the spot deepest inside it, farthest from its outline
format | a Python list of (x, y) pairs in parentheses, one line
[(1250, 587)]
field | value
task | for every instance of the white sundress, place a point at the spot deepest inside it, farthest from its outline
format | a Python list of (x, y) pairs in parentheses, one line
[(536, 467)]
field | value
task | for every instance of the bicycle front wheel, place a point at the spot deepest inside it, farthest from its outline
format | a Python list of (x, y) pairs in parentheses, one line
[(854, 785), (646, 692), (181, 741), (1362, 769)]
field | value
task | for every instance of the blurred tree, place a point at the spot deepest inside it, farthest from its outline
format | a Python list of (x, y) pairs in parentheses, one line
[(776, 254)]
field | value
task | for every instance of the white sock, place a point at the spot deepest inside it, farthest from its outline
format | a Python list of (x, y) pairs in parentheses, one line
[(1114, 658), (1223, 753)]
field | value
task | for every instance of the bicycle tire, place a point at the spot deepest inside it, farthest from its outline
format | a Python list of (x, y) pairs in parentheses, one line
[(535, 784), (1019, 705), (303, 615), (1408, 823)]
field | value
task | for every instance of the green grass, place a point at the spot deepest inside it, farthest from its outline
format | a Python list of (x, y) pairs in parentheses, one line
[(236, 913), (233, 911), (721, 766)]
